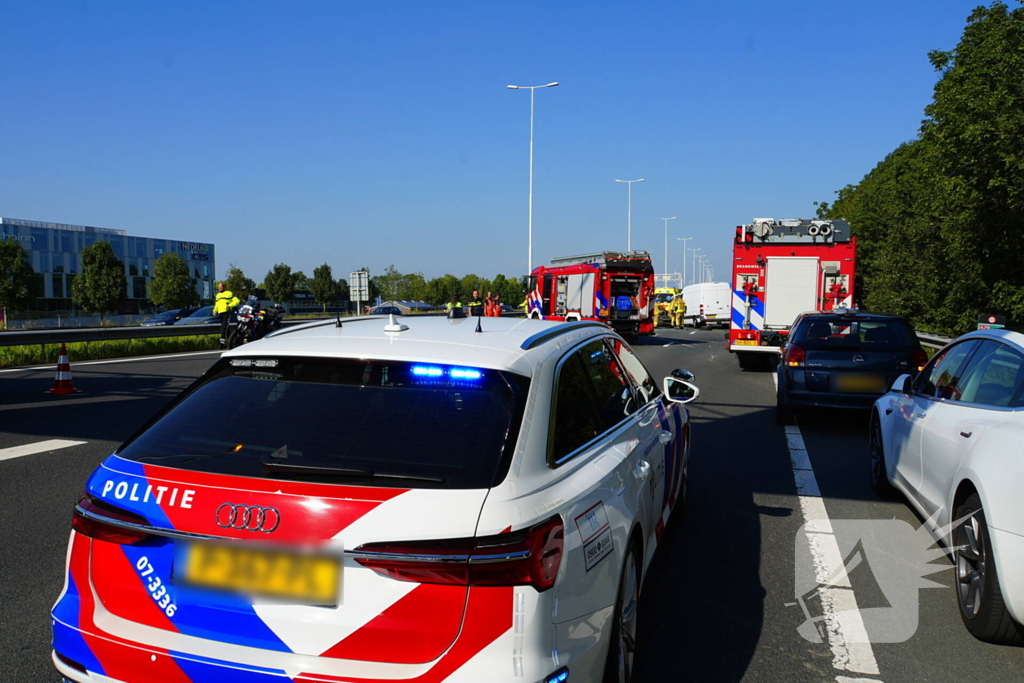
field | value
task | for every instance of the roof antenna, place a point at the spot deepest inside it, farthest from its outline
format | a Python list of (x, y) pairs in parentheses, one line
[(478, 328), (337, 311)]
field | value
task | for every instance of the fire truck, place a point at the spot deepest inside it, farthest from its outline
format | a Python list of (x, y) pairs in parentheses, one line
[(612, 287), (781, 269)]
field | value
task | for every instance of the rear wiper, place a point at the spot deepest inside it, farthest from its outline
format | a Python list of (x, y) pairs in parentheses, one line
[(327, 470)]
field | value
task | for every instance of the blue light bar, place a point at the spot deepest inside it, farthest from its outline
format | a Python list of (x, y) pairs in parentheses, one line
[(560, 676), (465, 373), (427, 371)]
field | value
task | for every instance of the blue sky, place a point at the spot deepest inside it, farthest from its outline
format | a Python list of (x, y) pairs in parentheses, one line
[(369, 134)]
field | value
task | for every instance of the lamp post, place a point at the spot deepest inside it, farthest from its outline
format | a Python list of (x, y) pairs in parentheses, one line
[(529, 246), (629, 212), (695, 264), (683, 240), (671, 218)]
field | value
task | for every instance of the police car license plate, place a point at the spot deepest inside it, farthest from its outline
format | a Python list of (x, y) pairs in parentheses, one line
[(307, 578), (746, 342)]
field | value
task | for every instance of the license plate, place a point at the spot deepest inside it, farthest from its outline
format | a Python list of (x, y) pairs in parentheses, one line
[(746, 342), (306, 578), (712, 315), (860, 384)]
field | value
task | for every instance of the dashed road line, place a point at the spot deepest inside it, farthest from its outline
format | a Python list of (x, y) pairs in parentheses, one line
[(847, 637), (38, 447)]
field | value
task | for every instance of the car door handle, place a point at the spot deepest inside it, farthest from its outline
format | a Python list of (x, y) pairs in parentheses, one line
[(966, 435), (920, 416), (666, 437), (642, 469)]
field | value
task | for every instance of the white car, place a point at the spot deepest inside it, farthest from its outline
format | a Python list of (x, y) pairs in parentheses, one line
[(383, 501), (952, 440)]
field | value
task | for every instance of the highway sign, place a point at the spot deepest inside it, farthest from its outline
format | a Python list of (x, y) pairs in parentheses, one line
[(991, 322), (359, 286)]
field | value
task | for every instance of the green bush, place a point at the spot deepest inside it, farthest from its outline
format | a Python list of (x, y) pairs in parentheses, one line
[(38, 354)]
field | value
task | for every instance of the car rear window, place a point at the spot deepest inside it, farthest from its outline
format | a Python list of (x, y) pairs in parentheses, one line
[(835, 332), (364, 422)]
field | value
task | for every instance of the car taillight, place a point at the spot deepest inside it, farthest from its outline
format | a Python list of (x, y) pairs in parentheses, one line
[(94, 518), (918, 359), (527, 557), (795, 355)]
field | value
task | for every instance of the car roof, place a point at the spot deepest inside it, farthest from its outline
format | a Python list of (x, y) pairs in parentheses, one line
[(514, 344), (853, 313), (1015, 338)]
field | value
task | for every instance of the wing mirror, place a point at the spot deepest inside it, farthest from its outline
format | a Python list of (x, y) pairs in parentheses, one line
[(684, 375), (904, 384), (680, 391)]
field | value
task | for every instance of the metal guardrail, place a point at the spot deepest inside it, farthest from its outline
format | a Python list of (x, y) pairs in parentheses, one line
[(933, 341), (86, 334)]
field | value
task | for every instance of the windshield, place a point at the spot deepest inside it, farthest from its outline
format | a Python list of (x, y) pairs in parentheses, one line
[(396, 424), (851, 334)]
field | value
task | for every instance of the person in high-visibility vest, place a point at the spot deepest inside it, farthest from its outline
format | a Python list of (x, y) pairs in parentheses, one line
[(678, 310), (223, 304), (657, 313), (454, 305)]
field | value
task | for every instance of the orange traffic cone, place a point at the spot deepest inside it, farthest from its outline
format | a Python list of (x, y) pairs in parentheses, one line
[(62, 383)]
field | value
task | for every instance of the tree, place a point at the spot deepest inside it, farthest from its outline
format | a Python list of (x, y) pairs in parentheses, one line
[(171, 286), (17, 280), (301, 280), (280, 283), (389, 284), (342, 285), (238, 284), (102, 285), (323, 286)]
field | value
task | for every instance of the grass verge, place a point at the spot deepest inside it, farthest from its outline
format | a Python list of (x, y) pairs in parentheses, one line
[(37, 354)]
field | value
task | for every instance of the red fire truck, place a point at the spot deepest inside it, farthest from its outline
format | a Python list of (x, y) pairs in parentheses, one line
[(781, 269), (615, 288)]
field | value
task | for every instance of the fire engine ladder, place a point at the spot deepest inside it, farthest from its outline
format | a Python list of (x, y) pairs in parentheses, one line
[(602, 258)]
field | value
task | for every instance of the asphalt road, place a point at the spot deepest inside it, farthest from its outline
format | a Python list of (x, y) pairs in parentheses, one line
[(718, 602)]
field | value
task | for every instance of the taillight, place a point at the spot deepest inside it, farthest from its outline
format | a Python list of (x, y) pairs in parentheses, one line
[(795, 355), (96, 519), (918, 359), (527, 557)]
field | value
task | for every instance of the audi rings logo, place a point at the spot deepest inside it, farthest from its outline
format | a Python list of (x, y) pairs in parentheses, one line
[(248, 517)]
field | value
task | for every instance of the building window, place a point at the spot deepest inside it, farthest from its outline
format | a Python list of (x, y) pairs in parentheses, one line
[(133, 269), (139, 287), (58, 286), (67, 241), (158, 248), (206, 270), (40, 239)]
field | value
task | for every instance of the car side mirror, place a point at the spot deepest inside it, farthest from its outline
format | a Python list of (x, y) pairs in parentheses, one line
[(680, 391), (904, 384), (684, 375)]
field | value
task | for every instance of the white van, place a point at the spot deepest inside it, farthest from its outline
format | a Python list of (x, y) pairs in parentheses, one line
[(708, 303)]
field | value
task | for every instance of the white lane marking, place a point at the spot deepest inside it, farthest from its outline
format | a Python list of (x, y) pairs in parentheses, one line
[(39, 447), (847, 636), (116, 360)]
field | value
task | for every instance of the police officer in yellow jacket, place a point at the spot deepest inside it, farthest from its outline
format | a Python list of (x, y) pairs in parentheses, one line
[(223, 304)]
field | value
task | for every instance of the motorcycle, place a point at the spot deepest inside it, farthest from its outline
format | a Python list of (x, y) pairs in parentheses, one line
[(254, 323)]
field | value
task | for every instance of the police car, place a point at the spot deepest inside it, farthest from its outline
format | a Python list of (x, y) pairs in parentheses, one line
[(431, 500)]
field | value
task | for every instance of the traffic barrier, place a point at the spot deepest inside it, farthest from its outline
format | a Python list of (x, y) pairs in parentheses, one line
[(62, 383)]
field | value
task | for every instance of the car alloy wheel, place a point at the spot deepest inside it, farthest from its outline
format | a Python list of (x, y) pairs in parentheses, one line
[(978, 594), (970, 567), (623, 645)]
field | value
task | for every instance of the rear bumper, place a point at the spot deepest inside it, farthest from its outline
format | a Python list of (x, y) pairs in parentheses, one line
[(733, 348), (823, 399)]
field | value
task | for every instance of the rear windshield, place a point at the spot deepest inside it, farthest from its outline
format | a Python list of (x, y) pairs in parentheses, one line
[(368, 423), (828, 332)]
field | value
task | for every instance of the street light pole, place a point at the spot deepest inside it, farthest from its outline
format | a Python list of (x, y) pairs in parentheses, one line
[(671, 218), (695, 264), (683, 240), (629, 212), (529, 246)]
